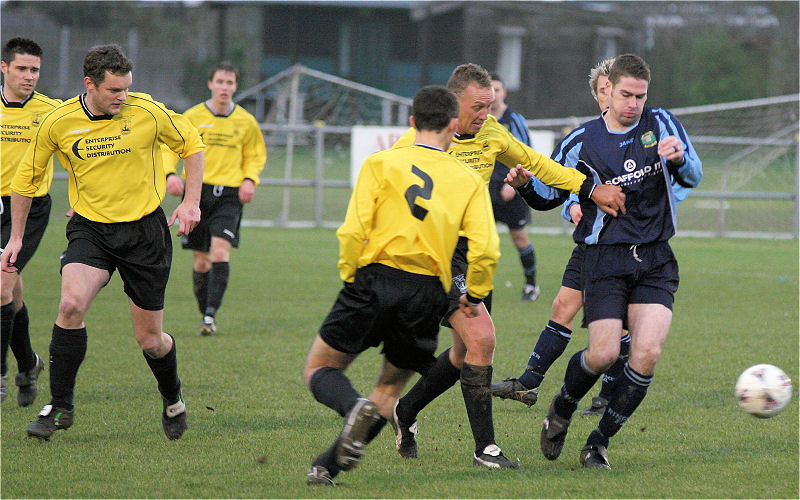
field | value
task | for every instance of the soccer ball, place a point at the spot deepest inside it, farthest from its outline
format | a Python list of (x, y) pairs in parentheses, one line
[(763, 390)]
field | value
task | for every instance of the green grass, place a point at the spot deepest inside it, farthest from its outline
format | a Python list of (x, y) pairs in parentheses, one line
[(254, 427)]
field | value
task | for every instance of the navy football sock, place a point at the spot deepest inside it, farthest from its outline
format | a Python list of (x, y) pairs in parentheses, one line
[(527, 257), (578, 380), (551, 344), (629, 391)]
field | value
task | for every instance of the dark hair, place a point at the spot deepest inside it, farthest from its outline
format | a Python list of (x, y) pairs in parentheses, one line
[(628, 65), (495, 77), (224, 66), (102, 58), (20, 46), (433, 108), (465, 74)]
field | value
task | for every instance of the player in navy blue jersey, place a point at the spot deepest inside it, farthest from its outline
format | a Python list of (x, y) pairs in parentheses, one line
[(629, 268), (509, 208), (557, 333)]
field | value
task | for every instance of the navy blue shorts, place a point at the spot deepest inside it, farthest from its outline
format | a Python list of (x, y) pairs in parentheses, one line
[(458, 268), (384, 304), (220, 216), (35, 225), (618, 275), (140, 249), (515, 213), (573, 273)]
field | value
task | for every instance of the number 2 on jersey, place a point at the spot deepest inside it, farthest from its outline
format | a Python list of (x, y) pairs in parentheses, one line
[(416, 191)]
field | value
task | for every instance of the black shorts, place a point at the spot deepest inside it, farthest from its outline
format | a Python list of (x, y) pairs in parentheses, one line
[(384, 304), (458, 268), (515, 213), (618, 275), (38, 217), (141, 250), (220, 216)]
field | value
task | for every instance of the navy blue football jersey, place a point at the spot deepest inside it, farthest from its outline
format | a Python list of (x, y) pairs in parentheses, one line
[(630, 160)]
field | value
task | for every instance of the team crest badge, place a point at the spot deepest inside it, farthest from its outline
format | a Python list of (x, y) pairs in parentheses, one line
[(486, 145), (126, 125), (649, 139), (37, 118)]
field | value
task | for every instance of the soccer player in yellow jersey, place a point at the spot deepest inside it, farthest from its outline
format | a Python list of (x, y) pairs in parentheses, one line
[(108, 140), (21, 112), (406, 213), (480, 141), (234, 157)]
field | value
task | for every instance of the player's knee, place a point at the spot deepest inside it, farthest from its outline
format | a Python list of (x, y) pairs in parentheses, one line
[(72, 307), (483, 341), (645, 359), (600, 358)]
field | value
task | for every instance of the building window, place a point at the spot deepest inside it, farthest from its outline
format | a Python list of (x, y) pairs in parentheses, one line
[(509, 60)]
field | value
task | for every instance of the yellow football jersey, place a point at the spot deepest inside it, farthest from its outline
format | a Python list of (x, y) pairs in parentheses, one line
[(113, 162), (495, 143), (406, 211), (235, 148), (18, 124)]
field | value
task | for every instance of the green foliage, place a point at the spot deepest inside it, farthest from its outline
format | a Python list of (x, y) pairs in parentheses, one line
[(255, 428)]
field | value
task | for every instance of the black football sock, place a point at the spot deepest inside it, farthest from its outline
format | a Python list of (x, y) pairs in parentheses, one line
[(200, 289), (376, 428), (21, 340), (615, 371), (327, 459), (6, 327), (475, 382), (217, 283), (578, 380), (442, 376), (333, 389), (67, 350), (527, 257), (549, 347), (629, 391), (165, 370)]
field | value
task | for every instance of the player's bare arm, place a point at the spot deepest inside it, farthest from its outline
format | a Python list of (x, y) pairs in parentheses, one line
[(20, 207), (188, 212), (246, 191)]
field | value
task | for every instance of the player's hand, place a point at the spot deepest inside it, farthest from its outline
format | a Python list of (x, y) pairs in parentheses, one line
[(671, 149), (70, 212), (9, 255), (610, 199), (469, 309), (507, 192), (174, 185), (517, 176), (575, 213), (246, 191), (188, 215)]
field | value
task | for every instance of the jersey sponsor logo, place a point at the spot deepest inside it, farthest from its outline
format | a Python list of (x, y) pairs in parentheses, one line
[(97, 147), (629, 165), (626, 142), (75, 149), (649, 139), (635, 176)]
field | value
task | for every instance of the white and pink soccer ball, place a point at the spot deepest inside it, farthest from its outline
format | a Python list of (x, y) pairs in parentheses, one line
[(763, 390)]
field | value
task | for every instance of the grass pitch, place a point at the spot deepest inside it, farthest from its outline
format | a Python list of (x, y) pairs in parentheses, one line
[(254, 427)]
